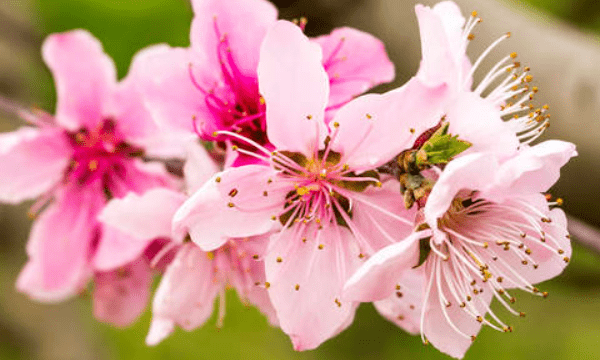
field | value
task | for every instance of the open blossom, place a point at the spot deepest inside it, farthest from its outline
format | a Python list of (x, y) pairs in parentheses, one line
[(316, 189), (194, 278), (91, 150), (213, 85), (494, 115), (489, 229)]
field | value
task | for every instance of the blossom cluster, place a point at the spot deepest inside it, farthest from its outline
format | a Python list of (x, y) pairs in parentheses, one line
[(251, 161)]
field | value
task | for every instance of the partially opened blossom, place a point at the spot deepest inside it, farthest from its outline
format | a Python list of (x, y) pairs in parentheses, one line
[(316, 190), (90, 151), (494, 115), (489, 228), (213, 85), (194, 278)]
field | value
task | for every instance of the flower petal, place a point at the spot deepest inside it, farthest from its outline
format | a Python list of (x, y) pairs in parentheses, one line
[(295, 87), (306, 285), (442, 39), (404, 307), (84, 75), (355, 62), (143, 217), (231, 204), (377, 278), (477, 121), (243, 24), (117, 249), (47, 151), (59, 247), (198, 167), (469, 172), (185, 295), (162, 75), (121, 296), (533, 170), (374, 128), (378, 212)]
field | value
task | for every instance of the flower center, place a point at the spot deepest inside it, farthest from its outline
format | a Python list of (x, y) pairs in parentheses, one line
[(99, 154)]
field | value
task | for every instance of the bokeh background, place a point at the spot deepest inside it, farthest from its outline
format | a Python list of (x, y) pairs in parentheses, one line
[(557, 38)]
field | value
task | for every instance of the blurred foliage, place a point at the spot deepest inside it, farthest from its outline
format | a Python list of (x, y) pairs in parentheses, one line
[(565, 326)]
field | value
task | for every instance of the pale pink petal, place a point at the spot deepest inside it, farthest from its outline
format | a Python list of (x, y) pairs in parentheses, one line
[(141, 176), (306, 285), (379, 217), (185, 295), (198, 167), (374, 128), (439, 317), (47, 151), (295, 87), (470, 172), (442, 45), (403, 308), (232, 204), (243, 24), (143, 217), (121, 296), (162, 75), (84, 76), (378, 277), (116, 248), (248, 270), (355, 62), (533, 170), (477, 121)]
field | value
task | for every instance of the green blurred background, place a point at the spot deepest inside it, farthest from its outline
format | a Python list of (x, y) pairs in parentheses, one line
[(564, 326)]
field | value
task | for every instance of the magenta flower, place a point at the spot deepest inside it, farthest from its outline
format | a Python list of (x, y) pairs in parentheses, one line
[(90, 151), (316, 190), (494, 115), (213, 85), (193, 280), (489, 229)]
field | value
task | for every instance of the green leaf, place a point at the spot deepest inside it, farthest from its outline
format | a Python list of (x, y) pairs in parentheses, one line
[(441, 147)]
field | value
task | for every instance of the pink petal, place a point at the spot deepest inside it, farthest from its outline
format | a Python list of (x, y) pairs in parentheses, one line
[(47, 151), (116, 249), (162, 75), (185, 295), (59, 247), (477, 121), (143, 217), (469, 172), (374, 128), (355, 62), (232, 206), (378, 277), (533, 170), (121, 296), (306, 285), (441, 44), (242, 23), (198, 167), (403, 308), (382, 227), (295, 87), (84, 75)]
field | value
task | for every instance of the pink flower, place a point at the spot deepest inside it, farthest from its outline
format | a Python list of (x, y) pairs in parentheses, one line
[(316, 190), (489, 229), (497, 121), (213, 85), (92, 150), (193, 280)]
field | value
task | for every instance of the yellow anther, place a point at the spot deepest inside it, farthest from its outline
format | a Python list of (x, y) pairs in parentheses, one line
[(93, 165), (210, 255)]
